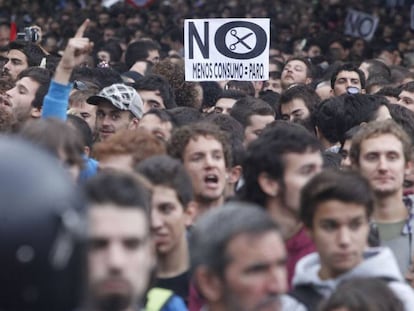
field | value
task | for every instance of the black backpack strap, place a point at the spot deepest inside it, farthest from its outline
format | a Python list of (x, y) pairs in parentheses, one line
[(307, 295)]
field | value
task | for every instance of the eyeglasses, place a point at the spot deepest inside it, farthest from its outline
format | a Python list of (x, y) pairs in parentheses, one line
[(79, 85)]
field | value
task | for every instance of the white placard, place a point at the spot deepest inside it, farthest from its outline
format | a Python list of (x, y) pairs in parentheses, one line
[(360, 24), (412, 17), (227, 49)]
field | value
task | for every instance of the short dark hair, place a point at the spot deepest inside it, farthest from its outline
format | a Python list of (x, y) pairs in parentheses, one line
[(231, 93), (234, 131), (166, 171), (310, 70), (34, 54), (123, 189), (266, 154), (158, 83), (182, 136), (377, 68), (215, 230), (246, 87), (162, 114), (83, 129), (345, 186), (247, 106), (302, 91), (409, 87), (326, 117), (368, 294), (139, 50), (404, 117), (42, 76), (348, 67), (184, 115)]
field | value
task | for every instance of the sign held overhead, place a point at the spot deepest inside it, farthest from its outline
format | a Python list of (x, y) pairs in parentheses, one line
[(361, 25), (226, 49)]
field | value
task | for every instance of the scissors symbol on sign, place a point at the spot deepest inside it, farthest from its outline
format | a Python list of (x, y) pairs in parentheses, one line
[(233, 46)]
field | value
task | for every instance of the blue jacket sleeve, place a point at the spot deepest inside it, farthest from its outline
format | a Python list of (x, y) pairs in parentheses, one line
[(176, 303), (56, 101)]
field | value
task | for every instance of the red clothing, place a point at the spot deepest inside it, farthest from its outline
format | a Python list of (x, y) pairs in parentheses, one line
[(297, 246), (195, 301)]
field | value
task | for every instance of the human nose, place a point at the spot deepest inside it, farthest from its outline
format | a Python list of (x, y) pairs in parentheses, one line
[(156, 220), (7, 66), (277, 281), (346, 162), (383, 163), (116, 257), (209, 160), (344, 236), (106, 120)]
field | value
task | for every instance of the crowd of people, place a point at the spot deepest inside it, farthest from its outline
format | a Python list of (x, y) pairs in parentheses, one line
[(125, 187)]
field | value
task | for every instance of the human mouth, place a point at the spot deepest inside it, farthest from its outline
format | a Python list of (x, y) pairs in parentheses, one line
[(114, 285), (5, 100), (211, 180)]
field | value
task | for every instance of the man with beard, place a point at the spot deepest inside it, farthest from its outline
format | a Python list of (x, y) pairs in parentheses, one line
[(25, 99), (118, 107), (296, 70), (20, 56), (381, 151), (347, 79), (297, 104), (121, 258), (206, 154)]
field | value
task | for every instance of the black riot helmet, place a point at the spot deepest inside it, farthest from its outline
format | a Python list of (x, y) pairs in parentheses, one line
[(42, 232)]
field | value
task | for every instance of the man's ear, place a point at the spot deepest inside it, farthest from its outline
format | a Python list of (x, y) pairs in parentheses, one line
[(133, 124), (36, 112), (209, 284), (408, 167), (234, 174), (268, 185), (87, 151), (190, 213)]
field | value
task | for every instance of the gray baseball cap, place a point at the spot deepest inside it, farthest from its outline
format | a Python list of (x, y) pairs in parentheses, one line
[(121, 96)]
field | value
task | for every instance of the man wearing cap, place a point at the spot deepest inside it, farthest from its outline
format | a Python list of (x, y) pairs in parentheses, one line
[(118, 107)]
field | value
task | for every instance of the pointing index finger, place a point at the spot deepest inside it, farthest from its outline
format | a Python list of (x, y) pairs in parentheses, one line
[(82, 28)]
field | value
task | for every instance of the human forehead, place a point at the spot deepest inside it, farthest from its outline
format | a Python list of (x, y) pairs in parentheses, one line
[(296, 63), (198, 144), (339, 211), (294, 104), (406, 94), (153, 121), (293, 160), (28, 83), (381, 143), (243, 246), (347, 74), (109, 219), (13, 53), (258, 120), (165, 194), (107, 107)]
